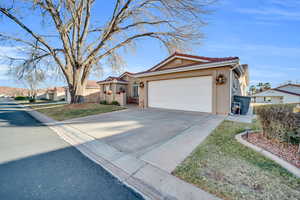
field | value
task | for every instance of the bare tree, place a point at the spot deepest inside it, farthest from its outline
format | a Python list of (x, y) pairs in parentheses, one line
[(77, 41), (33, 81)]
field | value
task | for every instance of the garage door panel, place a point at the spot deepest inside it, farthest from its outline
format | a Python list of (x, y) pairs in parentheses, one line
[(192, 94)]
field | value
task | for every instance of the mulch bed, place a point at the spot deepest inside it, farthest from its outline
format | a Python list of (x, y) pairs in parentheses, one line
[(282, 150)]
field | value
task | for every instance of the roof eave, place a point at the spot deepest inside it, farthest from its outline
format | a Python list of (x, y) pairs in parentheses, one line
[(106, 82), (190, 68)]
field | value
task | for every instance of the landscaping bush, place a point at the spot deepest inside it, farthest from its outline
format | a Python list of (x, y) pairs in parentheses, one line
[(32, 100), (103, 102), (21, 98), (279, 122), (255, 107), (115, 103)]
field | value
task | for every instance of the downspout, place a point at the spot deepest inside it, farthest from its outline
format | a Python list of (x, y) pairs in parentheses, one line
[(230, 85)]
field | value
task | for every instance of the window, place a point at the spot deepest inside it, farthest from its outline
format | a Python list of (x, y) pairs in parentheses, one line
[(267, 99), (135, 91)]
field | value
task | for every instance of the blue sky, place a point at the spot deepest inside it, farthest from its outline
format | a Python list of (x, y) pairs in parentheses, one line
[(264, 33)]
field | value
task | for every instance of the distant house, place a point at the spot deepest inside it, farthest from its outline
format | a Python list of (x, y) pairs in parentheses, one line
[(91, 92), (289, 93), (53, 94), (56, 94), (124, 89)]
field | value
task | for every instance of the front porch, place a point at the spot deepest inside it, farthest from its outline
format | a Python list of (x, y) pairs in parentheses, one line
[(116, 89)]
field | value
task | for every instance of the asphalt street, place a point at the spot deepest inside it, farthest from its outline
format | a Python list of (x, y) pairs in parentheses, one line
[(36, 164)]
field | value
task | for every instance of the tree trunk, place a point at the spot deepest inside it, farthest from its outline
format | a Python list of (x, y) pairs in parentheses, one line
[(77, 93)]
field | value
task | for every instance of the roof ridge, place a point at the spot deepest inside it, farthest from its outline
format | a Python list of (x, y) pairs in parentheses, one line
[(205, 57), (209, 59)]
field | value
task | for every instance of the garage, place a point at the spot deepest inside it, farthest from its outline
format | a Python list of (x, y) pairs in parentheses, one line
[(190, 94)]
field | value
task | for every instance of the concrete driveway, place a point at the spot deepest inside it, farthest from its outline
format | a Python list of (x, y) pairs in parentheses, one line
[(149, 134)]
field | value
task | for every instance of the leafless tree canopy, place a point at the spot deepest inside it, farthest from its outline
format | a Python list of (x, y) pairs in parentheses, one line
[(76, 38)]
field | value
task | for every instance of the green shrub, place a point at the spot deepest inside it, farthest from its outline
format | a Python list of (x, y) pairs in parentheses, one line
[(20, 98), (279, 122), (104, 102), (32, 100), (115, 103), (255, 107)]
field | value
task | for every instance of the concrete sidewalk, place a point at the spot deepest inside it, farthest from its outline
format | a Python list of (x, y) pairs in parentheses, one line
[(149, 173)]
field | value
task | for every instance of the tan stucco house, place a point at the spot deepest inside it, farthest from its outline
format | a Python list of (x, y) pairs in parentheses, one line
[(53, 94), (91, 92), (182, 82)]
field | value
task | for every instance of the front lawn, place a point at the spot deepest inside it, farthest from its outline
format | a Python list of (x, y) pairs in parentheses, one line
[(62, 112), (226, 168), (38, 101)]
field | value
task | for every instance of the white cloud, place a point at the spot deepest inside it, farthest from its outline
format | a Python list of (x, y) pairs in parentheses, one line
[(285, 3), (274, 10), (3, 72), (9, 51)]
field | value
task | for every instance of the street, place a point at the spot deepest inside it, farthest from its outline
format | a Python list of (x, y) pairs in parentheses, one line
[(36, 164)]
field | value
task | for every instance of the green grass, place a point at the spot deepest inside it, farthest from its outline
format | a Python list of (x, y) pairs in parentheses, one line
[(228, 169), (26, 102), (52, 105), (69, 111)]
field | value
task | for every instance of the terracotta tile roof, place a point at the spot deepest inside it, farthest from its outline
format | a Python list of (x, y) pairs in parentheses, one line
[(111, 78), (182, 66), (92, 84), (125, 74), (208, 59)]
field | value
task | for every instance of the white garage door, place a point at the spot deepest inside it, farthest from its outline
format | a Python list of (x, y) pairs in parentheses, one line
[(191, 94)]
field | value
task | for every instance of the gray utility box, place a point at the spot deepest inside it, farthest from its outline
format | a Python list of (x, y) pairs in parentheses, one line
[(244, 102)]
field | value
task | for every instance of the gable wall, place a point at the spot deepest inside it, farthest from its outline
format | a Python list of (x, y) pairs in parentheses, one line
[(177, 62), (221, 93)]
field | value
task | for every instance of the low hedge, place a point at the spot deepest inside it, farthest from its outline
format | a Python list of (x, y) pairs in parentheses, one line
[(104, 102), (291, 105), (115, 103), (21, 98), (279, 122)]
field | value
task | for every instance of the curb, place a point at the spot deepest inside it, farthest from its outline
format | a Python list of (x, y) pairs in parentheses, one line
[(289, 167), (65, 132)]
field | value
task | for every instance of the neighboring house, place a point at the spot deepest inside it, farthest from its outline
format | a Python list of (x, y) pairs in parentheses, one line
[(123, 89), (56, 94), (91, 92), (42, 94), (289, 93), (182, 82)]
